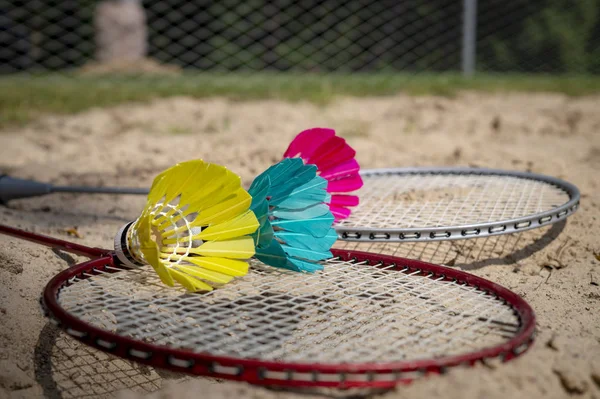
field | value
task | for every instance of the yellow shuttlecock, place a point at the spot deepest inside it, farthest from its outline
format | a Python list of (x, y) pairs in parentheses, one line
[(194, 229)]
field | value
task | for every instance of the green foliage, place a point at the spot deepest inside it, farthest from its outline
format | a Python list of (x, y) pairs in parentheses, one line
[(557, 36)]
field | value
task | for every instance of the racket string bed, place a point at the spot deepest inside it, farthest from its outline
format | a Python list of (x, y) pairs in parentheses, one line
[(349, 313), (415, 204), (481, 201)]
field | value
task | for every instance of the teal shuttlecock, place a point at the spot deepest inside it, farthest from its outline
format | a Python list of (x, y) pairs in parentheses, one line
[(290, 202)]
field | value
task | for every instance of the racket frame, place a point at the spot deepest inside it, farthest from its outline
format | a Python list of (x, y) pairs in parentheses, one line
[(458, 232), (55, 243)]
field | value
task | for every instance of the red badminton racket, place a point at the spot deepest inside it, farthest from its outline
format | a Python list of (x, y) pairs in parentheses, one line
[(367, 320)]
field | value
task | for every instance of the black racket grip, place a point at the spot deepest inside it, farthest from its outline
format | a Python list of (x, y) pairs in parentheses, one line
[(13, 188)]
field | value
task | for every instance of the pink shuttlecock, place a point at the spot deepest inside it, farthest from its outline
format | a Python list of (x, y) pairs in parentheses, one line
[(335, 162)]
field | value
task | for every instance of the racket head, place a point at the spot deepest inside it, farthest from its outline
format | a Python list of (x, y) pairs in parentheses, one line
[(436, 204), (286, 329)]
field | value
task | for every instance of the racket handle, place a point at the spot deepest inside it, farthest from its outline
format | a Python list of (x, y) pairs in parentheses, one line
[(12, 188)]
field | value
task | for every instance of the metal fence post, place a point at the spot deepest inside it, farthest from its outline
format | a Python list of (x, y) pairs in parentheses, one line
[(469, 37)]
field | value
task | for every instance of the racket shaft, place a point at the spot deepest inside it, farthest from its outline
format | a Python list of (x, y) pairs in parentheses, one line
[(99, 190), (12, 188)]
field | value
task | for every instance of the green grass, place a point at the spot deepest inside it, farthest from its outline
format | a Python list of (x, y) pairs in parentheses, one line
[(23, 98)]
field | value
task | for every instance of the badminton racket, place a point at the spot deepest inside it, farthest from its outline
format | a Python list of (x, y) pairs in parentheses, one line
[(366, 320), (423, 204)]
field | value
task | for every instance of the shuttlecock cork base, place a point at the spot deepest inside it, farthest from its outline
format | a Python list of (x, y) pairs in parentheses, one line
[(122, 251)]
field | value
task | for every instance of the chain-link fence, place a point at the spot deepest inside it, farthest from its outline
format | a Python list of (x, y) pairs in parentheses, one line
[(553, 36)]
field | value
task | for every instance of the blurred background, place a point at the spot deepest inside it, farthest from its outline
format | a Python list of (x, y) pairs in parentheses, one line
[(251, 48), (544, 36)]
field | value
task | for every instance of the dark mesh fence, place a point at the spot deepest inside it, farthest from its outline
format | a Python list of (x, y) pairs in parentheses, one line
[(553, 36)]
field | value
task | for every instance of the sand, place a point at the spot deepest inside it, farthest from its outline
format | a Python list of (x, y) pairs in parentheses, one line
[(554, 268)]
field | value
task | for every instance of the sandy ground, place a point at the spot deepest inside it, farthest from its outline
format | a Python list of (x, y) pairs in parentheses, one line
[(555, 269)]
